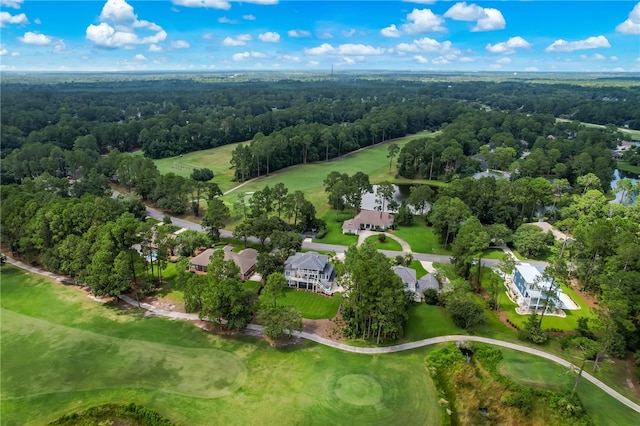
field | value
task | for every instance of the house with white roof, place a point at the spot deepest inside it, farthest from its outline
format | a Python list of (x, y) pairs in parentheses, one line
[(532, 290), (310, 271)]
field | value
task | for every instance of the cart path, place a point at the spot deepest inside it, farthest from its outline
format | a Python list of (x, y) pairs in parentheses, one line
[(367, 350)]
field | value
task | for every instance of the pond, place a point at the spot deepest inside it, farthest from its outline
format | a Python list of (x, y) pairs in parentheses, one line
[(401, 193), (617, 176)]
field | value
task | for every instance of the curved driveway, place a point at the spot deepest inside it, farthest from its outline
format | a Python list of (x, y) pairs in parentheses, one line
[(371, 351)]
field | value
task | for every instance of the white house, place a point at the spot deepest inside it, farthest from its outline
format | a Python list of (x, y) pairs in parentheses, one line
[(532, 291), (368, 220), (310, 271)]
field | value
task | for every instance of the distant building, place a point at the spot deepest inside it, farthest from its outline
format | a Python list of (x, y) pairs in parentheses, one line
[(245, 260), (368, 220), (532, 290), (310, 271)]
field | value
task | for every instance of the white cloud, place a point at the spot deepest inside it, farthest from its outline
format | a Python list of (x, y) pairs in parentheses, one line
[(237, 40), (3, 50), (290, 58), (632, 24), (320, 50), (247, 55), (358, 49), (249, 17), (15, 54), (208, 36), (441, 60), (218, 4), (37, 21), (531, 69), (466, 59), (422, 21), (347, 61), (313, 63), (349, 33), (119, 27), (420, 59), (14, 4), (140, 57), (324, 35), (35, 38), (569, 46), (225, 20), (154, 48), (487, 19), (391, 31), (509, 46), (180, 44), (428, 45), (60, 47), (503, 61), (298, 33), (7, 18), (269, 37), (613, 58), (594, 57)]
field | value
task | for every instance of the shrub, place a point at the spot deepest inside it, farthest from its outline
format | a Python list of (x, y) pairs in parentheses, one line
[(431, 297), (382, 238)]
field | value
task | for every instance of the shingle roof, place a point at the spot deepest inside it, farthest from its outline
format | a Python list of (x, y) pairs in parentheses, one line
[(310, 260), (428, 281), (371, 217), (203, 259), (407, 275)]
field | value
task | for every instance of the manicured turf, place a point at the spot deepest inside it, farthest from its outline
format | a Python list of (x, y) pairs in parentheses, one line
[(312, 305), (420, 271), (217, 159), (420, 238), (308, 178), (389, 244), (493, 253), (63, 352), (334, 233), (570, 322), (623, 165), (427, 321), (540, 373)]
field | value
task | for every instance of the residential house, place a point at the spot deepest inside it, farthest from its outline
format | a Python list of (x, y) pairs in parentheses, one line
[(532, 291), (310, 271), (414, 285), (368, 220), (245, 260)]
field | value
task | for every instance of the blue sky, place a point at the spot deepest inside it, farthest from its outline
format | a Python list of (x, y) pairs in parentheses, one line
[(223, 35)]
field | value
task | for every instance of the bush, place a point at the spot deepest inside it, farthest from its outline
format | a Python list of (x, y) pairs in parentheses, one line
[(382, 238), (431, 297)]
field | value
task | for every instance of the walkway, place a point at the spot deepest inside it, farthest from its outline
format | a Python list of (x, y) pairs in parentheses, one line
[(366, 234), (377, 350)]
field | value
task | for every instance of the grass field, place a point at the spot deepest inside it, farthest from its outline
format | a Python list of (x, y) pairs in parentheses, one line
[(389, 243), (542, 374), (63, 352), (308, 177), (427, 321), (623, 165), (217, 159), (420, 238), (311, 305)]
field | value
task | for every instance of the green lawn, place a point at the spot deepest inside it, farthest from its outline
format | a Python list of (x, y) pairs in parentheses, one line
[(427, 321), (420, 271), (334, 230), (63, 352), (308, 178), (493, 253), (420, 238), (312, 305), (540, 373), (568, 323), (389, 243), (623, 165), (217, 159)]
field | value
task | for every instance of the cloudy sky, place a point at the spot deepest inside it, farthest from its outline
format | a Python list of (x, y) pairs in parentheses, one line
[(429, 35)]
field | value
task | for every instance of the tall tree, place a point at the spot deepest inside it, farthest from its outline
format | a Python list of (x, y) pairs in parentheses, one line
[(216, 216), (392, 151)]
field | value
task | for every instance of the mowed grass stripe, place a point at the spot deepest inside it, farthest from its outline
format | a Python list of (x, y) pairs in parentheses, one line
[(63, 352)]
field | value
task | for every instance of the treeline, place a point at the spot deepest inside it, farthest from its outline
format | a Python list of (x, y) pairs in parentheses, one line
[(525, 145), (167, 117)]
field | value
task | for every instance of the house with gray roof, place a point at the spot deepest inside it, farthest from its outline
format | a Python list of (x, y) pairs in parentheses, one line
[(310, 271), (368, 220), (414, 285), (427, 282), (245, 260)]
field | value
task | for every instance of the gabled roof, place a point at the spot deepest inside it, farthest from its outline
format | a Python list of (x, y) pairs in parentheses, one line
[(245, 259), (371, 217), (311, 260), (203, 259), (428, 281), (407, 275)]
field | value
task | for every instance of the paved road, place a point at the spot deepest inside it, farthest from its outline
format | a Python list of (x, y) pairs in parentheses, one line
[(371, 351)]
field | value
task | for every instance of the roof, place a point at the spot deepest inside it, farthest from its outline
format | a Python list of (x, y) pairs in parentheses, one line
[(371, 217), (203, 259), (529, 272), (310, 260), (428, 281), (407, 275), (245, 259), (546, 227)]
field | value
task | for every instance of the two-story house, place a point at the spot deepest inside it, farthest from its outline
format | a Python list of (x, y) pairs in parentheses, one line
[(532, 290), (310, 271)]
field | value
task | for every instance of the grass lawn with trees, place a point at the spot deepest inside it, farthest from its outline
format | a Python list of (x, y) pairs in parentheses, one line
[(217, 159), (540, 373), (312, 305), (420, 238), (308, 178), (388, 244), (63, 352), (623, 165)]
